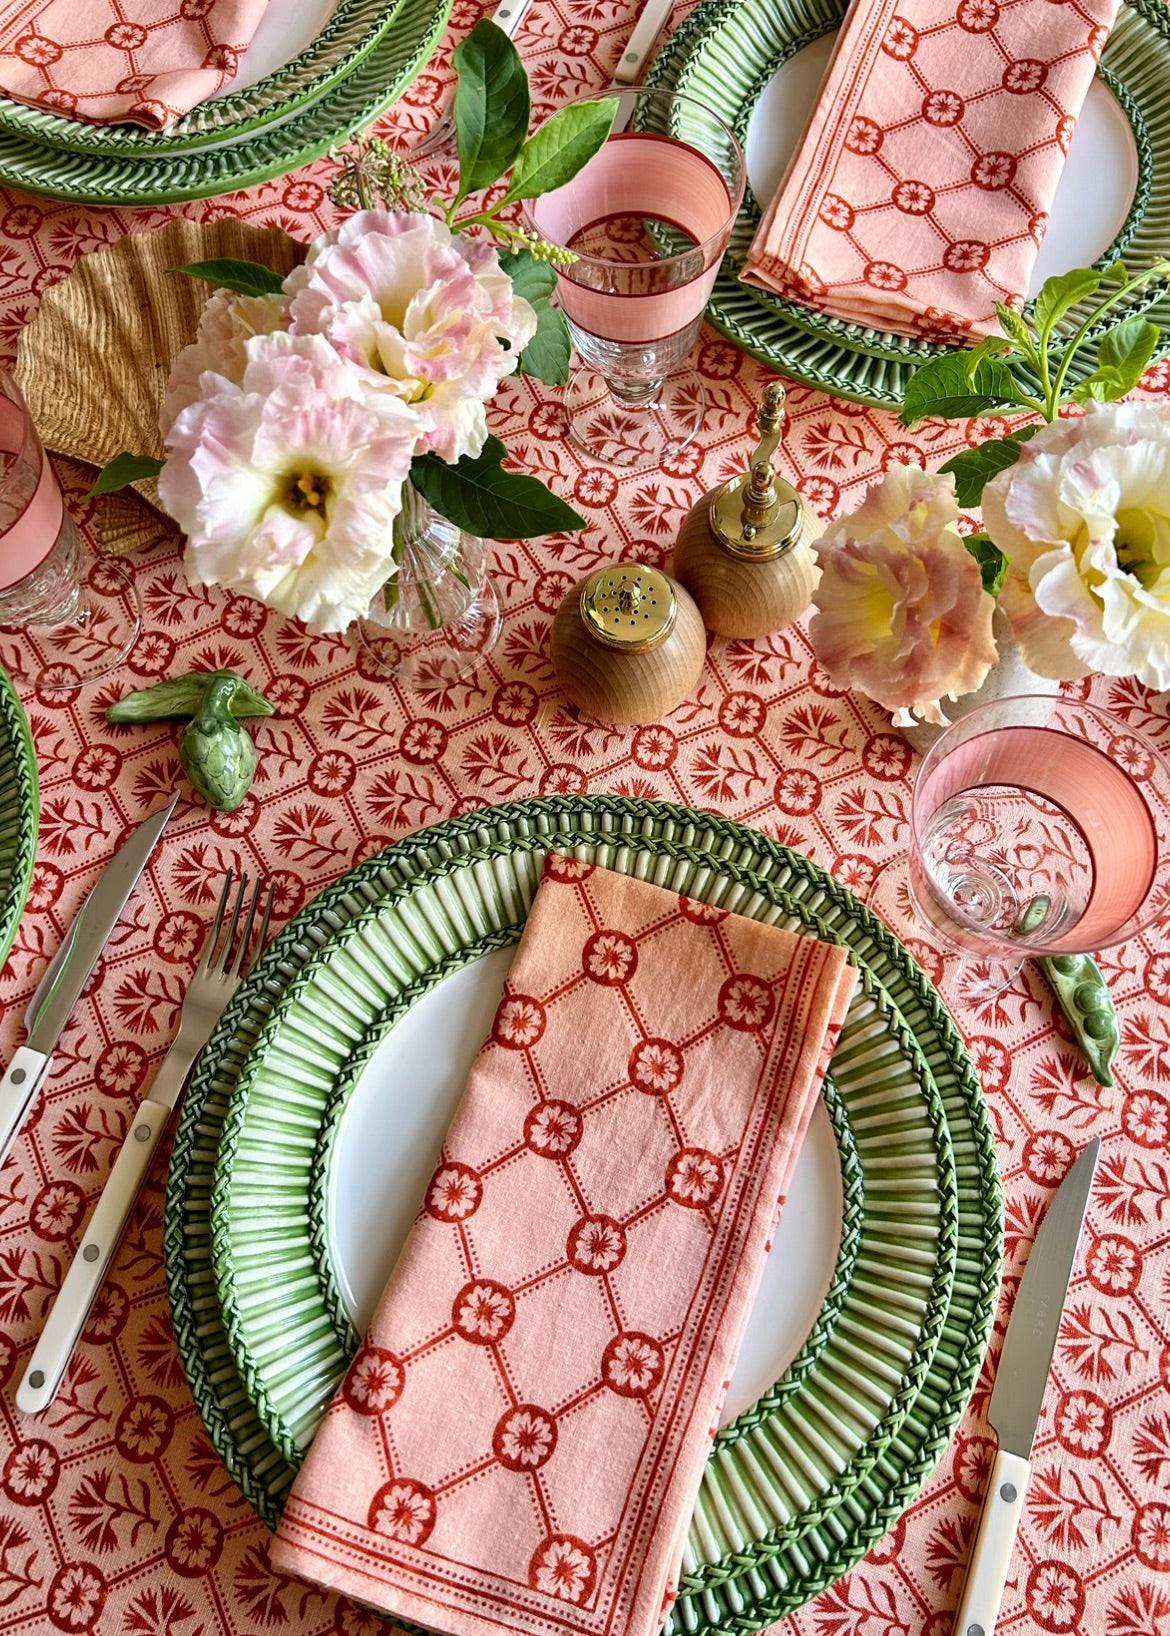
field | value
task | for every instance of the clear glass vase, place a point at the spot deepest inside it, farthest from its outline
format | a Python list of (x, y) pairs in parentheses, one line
[(438, 618)]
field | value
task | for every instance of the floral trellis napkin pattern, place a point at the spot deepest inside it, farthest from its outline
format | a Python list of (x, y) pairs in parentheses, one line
[(920, 193), (520, 1438), (143, 61)]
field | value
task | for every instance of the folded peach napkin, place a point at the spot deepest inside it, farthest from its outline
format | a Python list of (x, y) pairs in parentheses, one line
[(518, 1443), (146, 61), (919, 194)]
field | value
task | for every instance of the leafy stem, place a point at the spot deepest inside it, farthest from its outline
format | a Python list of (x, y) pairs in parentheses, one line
[(965, 385), (1158, 269)]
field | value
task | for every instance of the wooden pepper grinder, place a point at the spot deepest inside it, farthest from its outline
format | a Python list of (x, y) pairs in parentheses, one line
[(743, 551), (627, 644)]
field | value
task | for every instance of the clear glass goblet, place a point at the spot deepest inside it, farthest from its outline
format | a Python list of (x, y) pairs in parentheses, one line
[(1039, 827), (59, 628), (648, 219)]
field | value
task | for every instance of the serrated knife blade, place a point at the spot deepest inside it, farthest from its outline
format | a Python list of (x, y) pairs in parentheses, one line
[(69, 970), (1018, 1393)]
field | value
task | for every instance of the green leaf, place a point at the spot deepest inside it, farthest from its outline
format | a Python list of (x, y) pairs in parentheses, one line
[(480, 496), (546, 357), (492, 106), (1013, 325), (124, 469), (1122, 356), (974, 468), (244, 277), (993, 565), (532, 279), (1060, 294), (561, 147), (947, 387)]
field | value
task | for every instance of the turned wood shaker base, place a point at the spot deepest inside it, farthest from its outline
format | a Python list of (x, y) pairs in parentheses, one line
[(628, 644)]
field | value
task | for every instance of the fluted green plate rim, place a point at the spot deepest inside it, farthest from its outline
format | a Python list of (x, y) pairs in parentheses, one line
[(354, 102), (725, 54), (352, 31), (774, 1588), (20, 812)]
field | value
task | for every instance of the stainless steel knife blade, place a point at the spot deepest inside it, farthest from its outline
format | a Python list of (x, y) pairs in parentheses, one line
[(1022, 1375), (68, 972)]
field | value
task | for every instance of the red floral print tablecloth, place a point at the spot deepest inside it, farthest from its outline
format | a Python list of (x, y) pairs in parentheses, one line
[(117, 1517)]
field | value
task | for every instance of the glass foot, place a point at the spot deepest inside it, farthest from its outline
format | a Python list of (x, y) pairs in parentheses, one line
[(95, 641), (426, 660), (965, 978), (633, 436)]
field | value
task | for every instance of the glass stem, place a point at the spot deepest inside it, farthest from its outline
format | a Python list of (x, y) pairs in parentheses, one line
[(410, 526), (635, 396)]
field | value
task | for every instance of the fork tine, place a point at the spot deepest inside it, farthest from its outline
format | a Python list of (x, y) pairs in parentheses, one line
[(213, 934), (225, 953), (262, 940), (246, 935)]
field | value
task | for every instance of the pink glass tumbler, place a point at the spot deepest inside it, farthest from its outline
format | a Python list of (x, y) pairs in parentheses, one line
[(1040, 826), (648, 220), (55, 631)]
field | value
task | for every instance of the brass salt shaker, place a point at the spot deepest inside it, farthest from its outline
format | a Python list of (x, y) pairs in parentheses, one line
[(743, 551), (627, 644)]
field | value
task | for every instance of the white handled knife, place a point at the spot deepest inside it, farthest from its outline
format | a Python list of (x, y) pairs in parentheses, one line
[(1014, 1410), (69, 970), (652, 19)]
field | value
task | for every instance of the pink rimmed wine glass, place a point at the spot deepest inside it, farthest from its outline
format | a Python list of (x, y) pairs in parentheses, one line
[(648, 219), (58, 630), (1040, 827)]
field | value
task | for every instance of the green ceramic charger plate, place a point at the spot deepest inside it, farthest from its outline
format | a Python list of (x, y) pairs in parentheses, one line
[(355, 101), (19, 812), (725, 55), (349, 35), (738, 1573)]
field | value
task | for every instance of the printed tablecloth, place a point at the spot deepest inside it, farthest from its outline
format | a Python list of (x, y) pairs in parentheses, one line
[(117, 1517)]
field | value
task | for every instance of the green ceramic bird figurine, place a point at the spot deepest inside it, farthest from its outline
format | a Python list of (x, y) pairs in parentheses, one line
[(216, 753)]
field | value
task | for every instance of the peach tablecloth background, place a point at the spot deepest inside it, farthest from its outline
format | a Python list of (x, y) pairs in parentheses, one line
[(117, 1517)]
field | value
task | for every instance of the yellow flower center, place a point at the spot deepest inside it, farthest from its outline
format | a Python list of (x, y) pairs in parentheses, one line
[(307, 491), (1140, 544)]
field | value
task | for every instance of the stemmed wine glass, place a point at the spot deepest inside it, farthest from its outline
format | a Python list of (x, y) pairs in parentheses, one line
[(56, 630), (648, 220), (1040, 827)]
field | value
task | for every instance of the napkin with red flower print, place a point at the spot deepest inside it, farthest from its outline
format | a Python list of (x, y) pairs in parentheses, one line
[(144, 61), (519, 1441), (919, 194)]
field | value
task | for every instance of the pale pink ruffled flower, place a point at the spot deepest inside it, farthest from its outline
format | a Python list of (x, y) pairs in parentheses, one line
[(425, 316), (902, 615), (287, 484), (226, 323), (1084, 519)]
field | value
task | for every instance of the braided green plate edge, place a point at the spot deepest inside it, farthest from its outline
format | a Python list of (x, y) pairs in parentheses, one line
[(302, 1349), (20, 811), (229, 1417), (355, 102), (350, 33), (849, 360)]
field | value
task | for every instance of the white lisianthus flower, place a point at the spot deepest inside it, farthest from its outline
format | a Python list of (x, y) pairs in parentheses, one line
[(225, 324), (1084, 519), (287, 484), (424, 315), (901, 613)]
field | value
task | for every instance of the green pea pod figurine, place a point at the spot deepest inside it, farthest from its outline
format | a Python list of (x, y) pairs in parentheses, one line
[(1086, 1001), (217, 754)]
